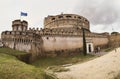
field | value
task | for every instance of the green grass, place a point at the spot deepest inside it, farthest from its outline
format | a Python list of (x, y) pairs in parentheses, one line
[(57, 69), (108, 49), (50, 61), (57, 61), (11, 51), (12, 68)]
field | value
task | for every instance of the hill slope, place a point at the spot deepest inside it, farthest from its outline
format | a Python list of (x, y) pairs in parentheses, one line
[(12, 68)]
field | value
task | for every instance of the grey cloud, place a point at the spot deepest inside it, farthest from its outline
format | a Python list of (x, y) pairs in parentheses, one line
[(99, 12)]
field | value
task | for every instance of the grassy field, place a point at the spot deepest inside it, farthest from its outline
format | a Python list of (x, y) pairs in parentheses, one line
[(12, 68), (11, 51), (57, 61), (109, 49)]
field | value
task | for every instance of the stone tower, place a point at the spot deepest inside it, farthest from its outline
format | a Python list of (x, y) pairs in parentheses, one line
[(18, 25), (66, 21)]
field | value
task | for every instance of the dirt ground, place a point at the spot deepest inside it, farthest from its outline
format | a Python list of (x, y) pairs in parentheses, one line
[(104, 67)]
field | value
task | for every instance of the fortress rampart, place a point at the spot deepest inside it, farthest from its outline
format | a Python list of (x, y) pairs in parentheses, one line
[(51, 41), (114, 40), (61, 33)]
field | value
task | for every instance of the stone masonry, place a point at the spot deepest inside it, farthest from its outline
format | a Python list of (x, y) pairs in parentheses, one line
[(62, 35)]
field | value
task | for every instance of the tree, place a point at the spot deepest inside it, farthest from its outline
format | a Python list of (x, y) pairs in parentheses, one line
[(84, 42)]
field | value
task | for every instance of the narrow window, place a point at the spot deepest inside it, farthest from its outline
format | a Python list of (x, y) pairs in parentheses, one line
[(47, 38), (79, 17), (68, 16), (53, 18), (86, 20), (60, 16)]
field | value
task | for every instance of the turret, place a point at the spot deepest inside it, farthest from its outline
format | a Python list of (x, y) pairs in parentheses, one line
[(18, 25)]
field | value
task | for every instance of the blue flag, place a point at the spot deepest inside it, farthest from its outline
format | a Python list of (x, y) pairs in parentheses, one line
[(23, 14)]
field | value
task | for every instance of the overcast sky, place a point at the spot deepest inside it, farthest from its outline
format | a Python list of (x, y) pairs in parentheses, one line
[(104, 15)]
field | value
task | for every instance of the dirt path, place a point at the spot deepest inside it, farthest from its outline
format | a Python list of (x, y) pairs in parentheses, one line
[(104, 67)]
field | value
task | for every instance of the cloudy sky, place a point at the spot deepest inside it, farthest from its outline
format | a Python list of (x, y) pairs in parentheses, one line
[(104, 15)]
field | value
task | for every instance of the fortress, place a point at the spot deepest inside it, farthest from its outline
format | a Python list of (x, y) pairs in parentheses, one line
[(62, 35)]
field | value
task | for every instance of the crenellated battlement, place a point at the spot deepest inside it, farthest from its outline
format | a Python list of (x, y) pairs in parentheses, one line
[(15, 33), (19, 22), (71, 32)]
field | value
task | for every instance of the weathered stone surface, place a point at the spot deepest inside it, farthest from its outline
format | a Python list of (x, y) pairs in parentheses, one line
[(61, 36)]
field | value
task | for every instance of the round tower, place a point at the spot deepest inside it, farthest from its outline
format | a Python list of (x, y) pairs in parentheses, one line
[(18, 25), (66, 20)]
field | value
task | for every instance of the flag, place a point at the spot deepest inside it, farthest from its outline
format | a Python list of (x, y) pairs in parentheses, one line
[(23, 14)]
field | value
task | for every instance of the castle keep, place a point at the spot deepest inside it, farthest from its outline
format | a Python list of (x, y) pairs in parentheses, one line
[(62, 35)]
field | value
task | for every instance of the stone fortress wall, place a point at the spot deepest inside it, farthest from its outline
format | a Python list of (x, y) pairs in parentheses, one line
[(51, 41), (17, 40), (62, 32), (63, 43), (114, 40), (66, 20), (69, 27)]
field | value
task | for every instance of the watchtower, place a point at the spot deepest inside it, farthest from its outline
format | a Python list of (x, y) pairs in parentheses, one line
[(18, 25)]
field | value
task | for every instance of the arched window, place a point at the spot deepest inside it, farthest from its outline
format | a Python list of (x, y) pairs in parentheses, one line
[(47, 38), (68, 16), (85, 20), (74, 16), (60, 16), (79, 17), (53, 18)]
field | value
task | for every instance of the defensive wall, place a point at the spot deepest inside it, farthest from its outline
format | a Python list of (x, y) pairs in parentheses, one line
[(114, 40), (24, 41), (61, 33)]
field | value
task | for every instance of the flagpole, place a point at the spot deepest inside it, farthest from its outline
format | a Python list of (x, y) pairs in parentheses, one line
[(112, 29), (20, 15)]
